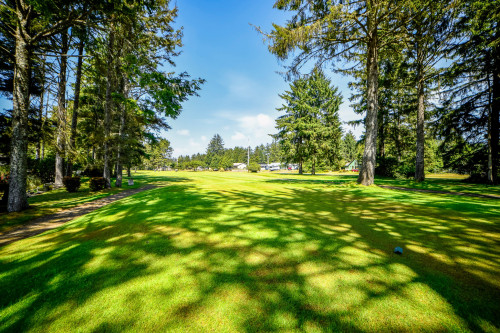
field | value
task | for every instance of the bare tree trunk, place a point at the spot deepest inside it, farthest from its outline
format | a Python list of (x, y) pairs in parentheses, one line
[(494, 120), (76, 104), (313, 167), (398, 136), (40, 119), (419, 159), (121, 131), (129, 173), (19, 144), (61, 111), (367, 172), (108, 106), (40, 113)]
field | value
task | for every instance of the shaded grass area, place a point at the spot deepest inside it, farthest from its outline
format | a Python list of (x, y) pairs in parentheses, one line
[(435, 182), (440, 183), (241, 252), (53, 201)]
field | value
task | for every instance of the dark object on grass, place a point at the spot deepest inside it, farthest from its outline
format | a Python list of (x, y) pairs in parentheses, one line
[(72, 184), (398, 250), (97, 183)]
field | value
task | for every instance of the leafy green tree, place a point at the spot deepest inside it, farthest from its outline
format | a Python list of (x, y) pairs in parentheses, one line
[(469, 120), (158, 154), (29, 23)]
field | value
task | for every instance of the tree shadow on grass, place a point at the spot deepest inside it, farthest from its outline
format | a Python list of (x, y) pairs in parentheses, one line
[(296, 258)]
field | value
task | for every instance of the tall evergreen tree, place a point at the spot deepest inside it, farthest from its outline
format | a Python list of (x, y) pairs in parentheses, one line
[(215, 152), (330, 30), (310, 128)]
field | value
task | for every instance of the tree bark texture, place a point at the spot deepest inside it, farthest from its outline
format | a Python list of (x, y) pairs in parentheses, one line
[(121, 135), (19, 144), (419, 159), (108, 107), (367, 172), (61, 112), (420, 149), (40, 119), (76, 105), (494, 130)]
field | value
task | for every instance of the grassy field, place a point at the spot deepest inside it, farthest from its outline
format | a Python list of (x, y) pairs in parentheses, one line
[(237, 252), (53, 201)]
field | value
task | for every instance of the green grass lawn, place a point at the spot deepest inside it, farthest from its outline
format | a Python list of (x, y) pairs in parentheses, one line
[(53, 201), (233, 252)]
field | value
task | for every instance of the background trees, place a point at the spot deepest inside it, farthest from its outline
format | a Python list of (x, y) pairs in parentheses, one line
[(111, 114), (412, 98), (310, 128)]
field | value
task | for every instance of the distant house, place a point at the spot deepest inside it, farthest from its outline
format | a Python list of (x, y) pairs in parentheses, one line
[(274, 166), (240, 166), (352, 166)]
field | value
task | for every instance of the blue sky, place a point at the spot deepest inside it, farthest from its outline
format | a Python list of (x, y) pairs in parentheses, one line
[(240, 97)]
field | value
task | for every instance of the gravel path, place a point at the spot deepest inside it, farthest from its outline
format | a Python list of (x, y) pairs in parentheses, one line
[(52, 221), (491, 196)]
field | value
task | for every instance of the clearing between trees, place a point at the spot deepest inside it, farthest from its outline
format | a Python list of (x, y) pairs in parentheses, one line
[(226, 251)]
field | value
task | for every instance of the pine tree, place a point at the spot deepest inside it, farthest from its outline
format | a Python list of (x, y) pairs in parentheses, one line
[(310, 128), (215, 152), (328, 31)]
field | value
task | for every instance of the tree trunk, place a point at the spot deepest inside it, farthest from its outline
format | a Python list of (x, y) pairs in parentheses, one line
[(493, 135), (129, 174), (76, 104), (61, 111), (313, 166), (19, 143), (108, 106), (121, 131), (40, 119), (381, 139), (40, 113), (367, 172), (419, 159)]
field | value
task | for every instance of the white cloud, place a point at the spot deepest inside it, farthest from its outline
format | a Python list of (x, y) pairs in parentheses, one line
[(203, 138), (238, 136), (183, 132)]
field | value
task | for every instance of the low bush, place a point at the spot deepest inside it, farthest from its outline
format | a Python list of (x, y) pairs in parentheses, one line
[(97, 183), (93, 171), (390, 167), (254, 167), (72, 184), (43, 169)]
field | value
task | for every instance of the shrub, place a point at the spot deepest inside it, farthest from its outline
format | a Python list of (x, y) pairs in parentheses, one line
[(254, 167), (93, 171), (97, 183), (390, 167), (43, 169), (72, 184)]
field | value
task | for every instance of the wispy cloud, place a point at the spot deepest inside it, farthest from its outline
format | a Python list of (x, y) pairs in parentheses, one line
[(183, 132)]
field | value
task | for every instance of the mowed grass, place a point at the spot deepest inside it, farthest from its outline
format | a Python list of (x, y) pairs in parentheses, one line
[(53, 201), (238, 252)]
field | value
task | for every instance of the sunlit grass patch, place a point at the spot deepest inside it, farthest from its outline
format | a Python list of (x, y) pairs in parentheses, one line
[(242, 252), (53, 201)]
